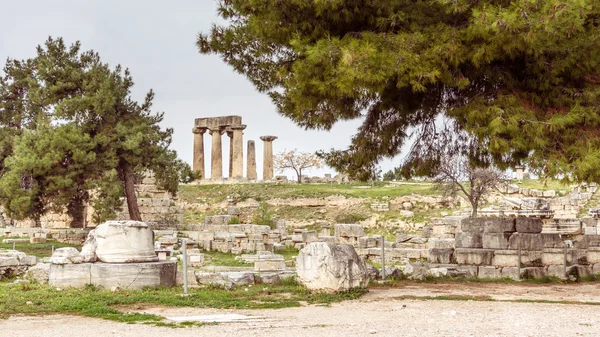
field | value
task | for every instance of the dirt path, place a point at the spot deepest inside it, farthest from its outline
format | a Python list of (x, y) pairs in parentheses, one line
[(381, 312)]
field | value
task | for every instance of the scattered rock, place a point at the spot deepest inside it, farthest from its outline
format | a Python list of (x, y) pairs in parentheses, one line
[(331, 267)]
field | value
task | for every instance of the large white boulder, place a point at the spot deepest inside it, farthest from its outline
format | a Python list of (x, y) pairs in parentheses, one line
[(121, 242), (331, 267)]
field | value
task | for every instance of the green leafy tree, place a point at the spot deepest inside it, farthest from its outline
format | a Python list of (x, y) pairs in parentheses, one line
[(389, 176), (520, 76), (63, 88)]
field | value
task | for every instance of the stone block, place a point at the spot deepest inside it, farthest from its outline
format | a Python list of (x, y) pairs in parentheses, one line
[(526, 241), (495, 240), (473, 256), (465, 271), (70, 275), (533, 272), (552, 240), (529, 225), (9, 261), (440, 243), (349, 230), (580, 271), (209, 278), (498, 225), (269, 265), (123, 242), (441, 255), (510, 272), (65, 255), (268, 278), (469, 240), (510, 258), (239, 278), (28, 260), (556, 271), (369, 242), (309, 236), (596, 269), (471, 225), (134, 275), (593, 255), (591, 241), (553, 256), (37, 240), (489, 272), (331, 267), (39, 273)]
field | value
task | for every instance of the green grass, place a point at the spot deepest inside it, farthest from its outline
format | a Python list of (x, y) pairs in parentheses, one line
[(37, 249), (93, 302), (548, 184), (266, 191), (223, 259)]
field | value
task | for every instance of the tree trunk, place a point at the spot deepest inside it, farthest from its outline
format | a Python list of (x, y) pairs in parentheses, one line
[(299, 174), (75, 210), (129, 183), (474, 204)]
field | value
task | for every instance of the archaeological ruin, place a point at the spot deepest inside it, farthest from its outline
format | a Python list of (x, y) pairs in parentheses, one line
[(233, 127)]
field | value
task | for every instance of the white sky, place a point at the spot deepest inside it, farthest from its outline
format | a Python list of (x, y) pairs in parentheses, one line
[(156, 41)]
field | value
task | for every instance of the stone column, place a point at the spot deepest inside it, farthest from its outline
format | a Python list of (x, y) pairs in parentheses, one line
[(199, 150), (268, 157), (217, 154), (251, 164), (237, 151), (230, 135)]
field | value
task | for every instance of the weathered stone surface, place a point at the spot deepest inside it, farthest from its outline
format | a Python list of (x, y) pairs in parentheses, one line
[(441, 255), (330, 267), (473, 256), (593, 255), (489, 272), (580, 271), (372, 272), (40, 273), (510, 272), (471, 225), (529, 225), (527, 241), (108, 275), (88, 251), (269, 265), (70, 275), (437, 272), (552, 240), (533, 272), (349, 230), (65, 255), (125, 242), (510, 258), (591, 241), (469, 240), (440, 243), (556, 271), (495, 240), (498, 225), (391, 272), (268, 278), (239, 278)]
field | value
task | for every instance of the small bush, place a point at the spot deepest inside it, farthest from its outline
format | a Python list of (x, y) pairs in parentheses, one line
[(234, 220), (350, 218), (263, 216)]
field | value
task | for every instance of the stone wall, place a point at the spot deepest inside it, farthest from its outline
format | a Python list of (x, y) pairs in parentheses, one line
[(157, 207)]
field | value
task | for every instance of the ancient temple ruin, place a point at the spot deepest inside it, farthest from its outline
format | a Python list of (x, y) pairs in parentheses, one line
[(233, 127)]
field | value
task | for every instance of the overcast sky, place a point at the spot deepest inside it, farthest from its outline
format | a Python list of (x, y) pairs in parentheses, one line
[(156, 41)]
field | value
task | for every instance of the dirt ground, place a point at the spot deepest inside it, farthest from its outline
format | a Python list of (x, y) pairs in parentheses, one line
[(383, 312)]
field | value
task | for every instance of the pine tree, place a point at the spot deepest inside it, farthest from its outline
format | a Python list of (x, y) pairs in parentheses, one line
[(521, 77), (72, 116)]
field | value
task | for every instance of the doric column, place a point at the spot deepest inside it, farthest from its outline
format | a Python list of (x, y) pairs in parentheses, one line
[(199, 150), (251, 164), (217, 154), (230, 135), (237, 151), (268, 157)]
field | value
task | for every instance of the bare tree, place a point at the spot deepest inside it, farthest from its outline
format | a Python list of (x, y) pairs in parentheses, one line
[(297, 161), (457, 175)]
